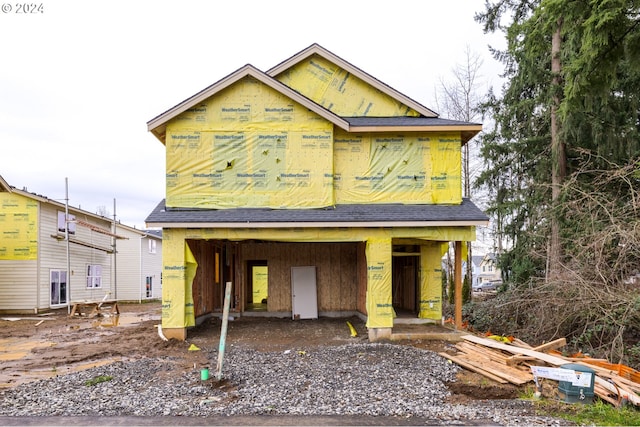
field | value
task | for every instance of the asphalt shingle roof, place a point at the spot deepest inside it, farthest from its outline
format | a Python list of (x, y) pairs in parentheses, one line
[(466, 212)]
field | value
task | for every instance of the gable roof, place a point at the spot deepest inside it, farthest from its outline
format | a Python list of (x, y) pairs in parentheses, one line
[(354, 215), (4, 186), (428, 122), (157, 125), (154, 233), (316, 49), (477, 259)]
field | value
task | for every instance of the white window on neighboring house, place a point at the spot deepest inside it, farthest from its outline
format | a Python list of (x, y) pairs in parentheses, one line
[(58, 287), (94, 276), (62, 223), (152, 246)]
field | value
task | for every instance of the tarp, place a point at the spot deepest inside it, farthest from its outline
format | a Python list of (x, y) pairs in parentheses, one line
[(18, 227)]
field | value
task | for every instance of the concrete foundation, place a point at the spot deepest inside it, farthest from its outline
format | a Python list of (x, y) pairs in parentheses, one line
[(379, 334), (175, 333)]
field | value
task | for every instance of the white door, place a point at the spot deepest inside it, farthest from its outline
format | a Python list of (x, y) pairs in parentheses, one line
[(303, 293)]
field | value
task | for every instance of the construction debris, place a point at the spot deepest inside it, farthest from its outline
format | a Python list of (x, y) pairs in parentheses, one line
[(510, 361)]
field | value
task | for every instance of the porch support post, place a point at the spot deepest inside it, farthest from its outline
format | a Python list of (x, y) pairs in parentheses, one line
[(457, 277), (380, 311)]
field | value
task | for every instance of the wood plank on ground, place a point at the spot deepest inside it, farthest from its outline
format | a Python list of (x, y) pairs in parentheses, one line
[(473, 368), (495, 355), (553, 360), (482, 362), (604, 385), (551, 345)]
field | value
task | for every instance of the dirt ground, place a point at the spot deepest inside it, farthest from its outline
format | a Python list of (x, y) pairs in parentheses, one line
[(42, 346)]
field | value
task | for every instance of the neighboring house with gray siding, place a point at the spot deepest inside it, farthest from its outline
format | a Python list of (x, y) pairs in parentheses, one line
[(48, 261)]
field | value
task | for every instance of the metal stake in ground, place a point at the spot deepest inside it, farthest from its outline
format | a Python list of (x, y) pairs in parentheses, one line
[(223, 331)]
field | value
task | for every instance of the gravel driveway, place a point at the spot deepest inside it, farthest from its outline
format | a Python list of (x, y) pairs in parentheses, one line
[(365, 383)]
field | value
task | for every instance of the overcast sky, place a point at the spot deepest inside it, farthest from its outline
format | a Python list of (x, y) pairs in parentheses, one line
[(80, 79)]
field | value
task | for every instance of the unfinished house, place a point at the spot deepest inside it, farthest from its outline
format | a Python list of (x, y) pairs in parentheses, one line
[(315, 190)]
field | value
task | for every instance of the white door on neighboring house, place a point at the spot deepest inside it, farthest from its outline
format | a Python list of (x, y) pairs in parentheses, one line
[(58, 287), (303, 293)]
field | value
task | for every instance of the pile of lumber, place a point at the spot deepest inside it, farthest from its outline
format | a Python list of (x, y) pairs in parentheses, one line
[(510, 362)]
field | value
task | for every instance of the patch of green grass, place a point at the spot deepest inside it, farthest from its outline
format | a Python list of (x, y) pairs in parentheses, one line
[(527, 393), (98, 380), (598, 414)]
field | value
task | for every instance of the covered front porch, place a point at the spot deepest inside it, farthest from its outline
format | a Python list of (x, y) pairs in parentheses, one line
[(363, 272)]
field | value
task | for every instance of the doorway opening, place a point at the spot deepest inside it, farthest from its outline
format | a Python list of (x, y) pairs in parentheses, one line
[(257, 291), (405, 289)]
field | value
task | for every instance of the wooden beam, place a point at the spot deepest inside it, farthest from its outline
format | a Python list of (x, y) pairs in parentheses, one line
[(551, 345)]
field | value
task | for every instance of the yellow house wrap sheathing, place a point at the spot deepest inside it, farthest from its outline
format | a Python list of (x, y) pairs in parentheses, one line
[(18, 227), (409, 169), (250, 146), (341, 92)]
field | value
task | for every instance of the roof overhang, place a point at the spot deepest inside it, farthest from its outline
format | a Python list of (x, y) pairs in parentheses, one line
[(4, 186), (394, 215), (280, 225), (414, 124), (466, 132)]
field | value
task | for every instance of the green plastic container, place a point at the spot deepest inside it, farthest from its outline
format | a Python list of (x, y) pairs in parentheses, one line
[(571, 393), (204, 374)]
